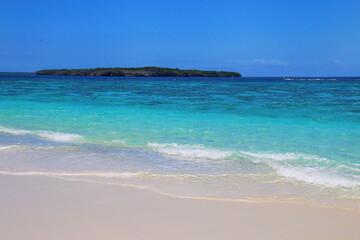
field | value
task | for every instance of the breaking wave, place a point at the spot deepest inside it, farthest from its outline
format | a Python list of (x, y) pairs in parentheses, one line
[(49, 135), (306, 168), (7, 147), (190, 151)]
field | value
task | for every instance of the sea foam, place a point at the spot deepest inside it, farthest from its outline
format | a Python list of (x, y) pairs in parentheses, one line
[(190, 151), (59, 136), (316, 175), (49, 135), (284, 165), (7, 147), (301, 167)]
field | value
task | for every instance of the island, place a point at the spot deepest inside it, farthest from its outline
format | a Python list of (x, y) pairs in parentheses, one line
[(138, 72)]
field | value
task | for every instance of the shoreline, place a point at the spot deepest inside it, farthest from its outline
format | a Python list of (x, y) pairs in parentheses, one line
[(52, 208), (299, 201)]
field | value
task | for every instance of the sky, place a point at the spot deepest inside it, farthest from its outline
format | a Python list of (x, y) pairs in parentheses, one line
[(255, 38)]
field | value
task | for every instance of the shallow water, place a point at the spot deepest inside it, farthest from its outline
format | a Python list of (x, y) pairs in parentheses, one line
[(238, 138)]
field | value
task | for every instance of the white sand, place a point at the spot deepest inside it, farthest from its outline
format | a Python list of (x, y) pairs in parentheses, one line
[(38, 207)]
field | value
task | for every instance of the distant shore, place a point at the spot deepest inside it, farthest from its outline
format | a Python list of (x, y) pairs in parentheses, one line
[(138, 72)]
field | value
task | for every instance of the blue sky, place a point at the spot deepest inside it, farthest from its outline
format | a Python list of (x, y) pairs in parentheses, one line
[(255, 38)]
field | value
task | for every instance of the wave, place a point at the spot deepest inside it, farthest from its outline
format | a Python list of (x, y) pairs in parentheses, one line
[(190, 151), (310, 79), (301, 167), (7, 147), (306, 168), (319, 176), (49, 135), (282, 156), (59, 136)]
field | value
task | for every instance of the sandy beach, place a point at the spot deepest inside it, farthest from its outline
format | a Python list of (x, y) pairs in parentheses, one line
[(169, 120), (39, 207)]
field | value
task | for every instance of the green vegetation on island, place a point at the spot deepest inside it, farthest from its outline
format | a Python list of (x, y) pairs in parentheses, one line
[(138, 72)]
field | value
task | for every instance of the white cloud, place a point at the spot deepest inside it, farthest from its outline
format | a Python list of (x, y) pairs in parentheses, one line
[(336, 63), (264, 62)]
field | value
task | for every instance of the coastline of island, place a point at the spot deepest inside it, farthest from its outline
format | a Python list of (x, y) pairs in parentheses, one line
[(138, 72)]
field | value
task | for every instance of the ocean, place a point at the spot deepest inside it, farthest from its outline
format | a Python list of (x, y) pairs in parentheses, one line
[(241, 139)]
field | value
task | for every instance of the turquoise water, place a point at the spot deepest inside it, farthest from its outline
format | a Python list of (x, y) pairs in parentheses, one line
[(216, 137)]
